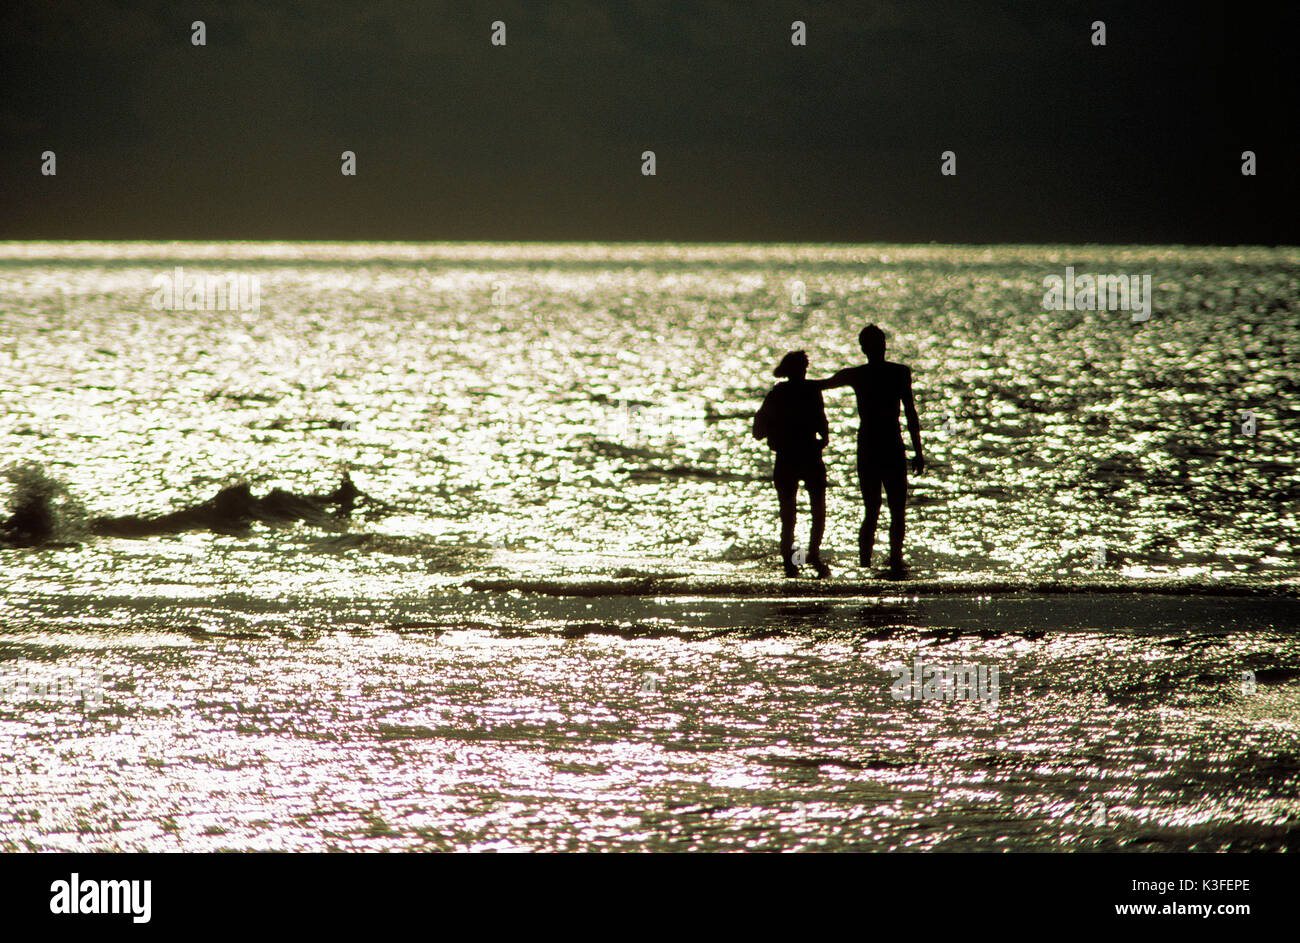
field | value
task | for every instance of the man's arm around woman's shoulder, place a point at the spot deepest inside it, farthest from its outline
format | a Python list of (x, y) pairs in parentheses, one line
[(839, 378)]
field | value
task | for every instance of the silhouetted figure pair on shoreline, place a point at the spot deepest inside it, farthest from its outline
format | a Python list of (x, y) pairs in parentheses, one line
[(793, 420)]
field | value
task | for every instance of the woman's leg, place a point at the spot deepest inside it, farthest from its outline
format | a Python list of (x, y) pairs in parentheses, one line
[(817, 500), (817, 503), (786, 478), (815, 481), (787, 497)]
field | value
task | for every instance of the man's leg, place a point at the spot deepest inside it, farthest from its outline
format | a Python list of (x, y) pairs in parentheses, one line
[(896, 492), (869, 483)]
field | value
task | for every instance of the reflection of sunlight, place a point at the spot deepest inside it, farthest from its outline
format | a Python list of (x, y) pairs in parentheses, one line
[(475, 408), (541, 740), (312, 687)]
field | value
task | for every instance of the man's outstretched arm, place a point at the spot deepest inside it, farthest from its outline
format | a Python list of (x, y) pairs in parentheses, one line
[(913, 422), (842, 378)]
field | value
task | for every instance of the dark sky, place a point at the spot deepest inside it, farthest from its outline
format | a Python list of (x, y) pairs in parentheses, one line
[(756, 139)]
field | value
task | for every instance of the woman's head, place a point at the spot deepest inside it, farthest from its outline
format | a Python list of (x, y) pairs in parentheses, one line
[(793, 365)]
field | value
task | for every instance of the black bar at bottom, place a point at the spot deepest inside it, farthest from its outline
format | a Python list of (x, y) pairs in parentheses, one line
[(299, 893)]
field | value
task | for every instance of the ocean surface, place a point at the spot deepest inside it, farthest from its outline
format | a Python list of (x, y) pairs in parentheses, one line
[(559, 623)]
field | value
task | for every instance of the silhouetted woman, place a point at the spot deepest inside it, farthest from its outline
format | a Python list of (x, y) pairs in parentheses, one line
[(793, 420)]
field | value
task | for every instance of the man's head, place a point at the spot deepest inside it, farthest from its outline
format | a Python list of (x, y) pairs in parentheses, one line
[(872, 341), (793, 365)]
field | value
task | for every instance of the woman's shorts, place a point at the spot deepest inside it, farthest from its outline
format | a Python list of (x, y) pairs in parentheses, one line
[(792, 469)]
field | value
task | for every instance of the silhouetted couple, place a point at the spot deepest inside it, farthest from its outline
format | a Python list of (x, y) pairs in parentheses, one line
[(793, 420)]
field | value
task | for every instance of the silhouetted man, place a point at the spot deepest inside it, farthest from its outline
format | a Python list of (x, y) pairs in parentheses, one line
[(880, 386)]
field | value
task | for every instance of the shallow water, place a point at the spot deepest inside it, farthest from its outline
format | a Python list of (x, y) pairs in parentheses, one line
[(308, 688), (529, 723)]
